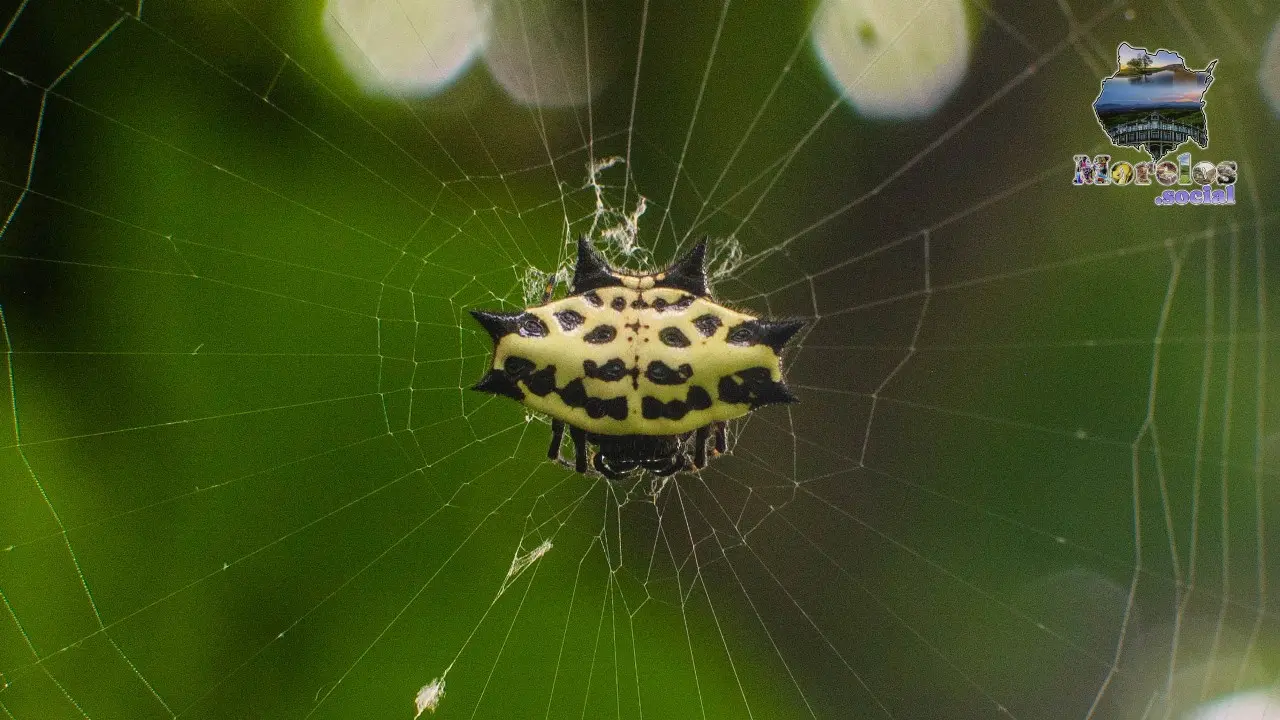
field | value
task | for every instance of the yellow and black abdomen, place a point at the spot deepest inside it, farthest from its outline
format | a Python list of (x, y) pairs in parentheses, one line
[(637, 362), (637, 355)]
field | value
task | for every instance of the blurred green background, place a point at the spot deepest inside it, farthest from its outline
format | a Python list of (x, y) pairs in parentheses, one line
[(1033, 472)]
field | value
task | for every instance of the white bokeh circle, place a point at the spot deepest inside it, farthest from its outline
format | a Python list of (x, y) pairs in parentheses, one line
[(542, 55), (893, 59), (1269, 71), (411, 47)]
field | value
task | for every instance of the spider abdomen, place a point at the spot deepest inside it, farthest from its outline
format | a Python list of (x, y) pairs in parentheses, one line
[(635, 356)]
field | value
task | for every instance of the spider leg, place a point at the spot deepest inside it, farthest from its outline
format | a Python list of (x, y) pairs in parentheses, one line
[(624, 466), (700, 447), (603, 469), (673, 466), (579, 437), (557, 434), (721, 445)]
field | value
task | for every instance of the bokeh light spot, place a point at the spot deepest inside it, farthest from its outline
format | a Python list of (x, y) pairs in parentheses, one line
[(542, 54), (1255, 705), (1269, 70), (411, 47), (893, 59)]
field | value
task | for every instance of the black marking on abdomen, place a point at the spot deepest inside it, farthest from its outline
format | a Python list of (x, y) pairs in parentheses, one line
[(660, 373), (673, 337), (615, 408), (681, 303), (531, 325), (503, 381), (601, 334), (698, 398), (757, 388), (542, 382), (575, 396), (611, 371), (745, 333), (707, 324), (569, 319), (654, 409), (517, 367)]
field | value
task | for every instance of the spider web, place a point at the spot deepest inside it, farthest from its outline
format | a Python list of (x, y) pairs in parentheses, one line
[(1032, 473)]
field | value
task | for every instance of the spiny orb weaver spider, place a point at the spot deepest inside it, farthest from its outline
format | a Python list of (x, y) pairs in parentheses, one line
[(637, 364)]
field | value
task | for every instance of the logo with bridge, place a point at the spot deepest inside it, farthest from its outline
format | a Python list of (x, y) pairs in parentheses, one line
[(1155, 104)]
